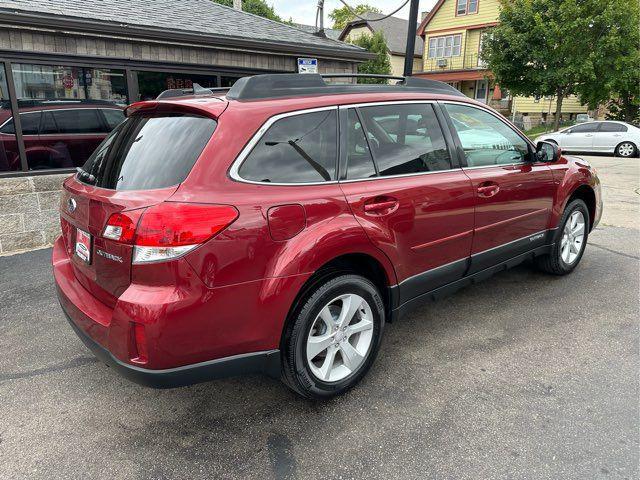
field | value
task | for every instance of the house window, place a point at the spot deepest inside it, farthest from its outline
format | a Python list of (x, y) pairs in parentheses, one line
[(466, 7), (448, 46)]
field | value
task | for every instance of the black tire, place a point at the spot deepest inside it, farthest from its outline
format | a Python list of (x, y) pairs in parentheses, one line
[(553, 263), (296, 373), (634, 150)]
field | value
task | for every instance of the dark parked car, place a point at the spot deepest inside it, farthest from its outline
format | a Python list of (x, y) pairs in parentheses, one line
[(56, 133), (279, 227)]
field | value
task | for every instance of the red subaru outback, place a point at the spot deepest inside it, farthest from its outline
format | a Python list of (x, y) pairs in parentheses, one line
[(277, 228)]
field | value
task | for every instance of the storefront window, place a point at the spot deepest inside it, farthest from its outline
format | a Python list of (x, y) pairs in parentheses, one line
[(66, 112), (9, 157), (151, 84)]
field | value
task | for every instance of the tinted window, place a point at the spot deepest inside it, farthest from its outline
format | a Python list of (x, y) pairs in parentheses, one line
[(405, 139), (113, 117), (81, 120), (30, 123), (486, 139), (296, 149), (148, 152), (48, 126), (585, 127), (612, 127), (359, 159)]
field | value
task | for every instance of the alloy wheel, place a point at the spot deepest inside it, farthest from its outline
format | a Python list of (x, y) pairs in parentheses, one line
[(626, 149), (340, 338), (572, 237)]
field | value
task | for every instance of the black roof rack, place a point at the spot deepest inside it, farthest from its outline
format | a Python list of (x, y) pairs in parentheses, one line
[(294, 84), (195, 90)]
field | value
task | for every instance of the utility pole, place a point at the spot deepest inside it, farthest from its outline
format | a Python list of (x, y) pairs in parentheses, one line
[(411, 38)]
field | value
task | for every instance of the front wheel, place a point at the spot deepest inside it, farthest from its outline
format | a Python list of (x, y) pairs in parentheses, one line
[(333, 337), (626, 150), (569, 242)]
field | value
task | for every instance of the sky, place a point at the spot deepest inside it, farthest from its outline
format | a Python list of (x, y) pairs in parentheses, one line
[(304, 11)]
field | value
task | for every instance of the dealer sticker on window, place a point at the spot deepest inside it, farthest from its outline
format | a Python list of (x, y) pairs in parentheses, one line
[(83, 245)]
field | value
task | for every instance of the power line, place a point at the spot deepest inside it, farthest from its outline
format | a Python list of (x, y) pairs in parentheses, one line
[(353, 12)]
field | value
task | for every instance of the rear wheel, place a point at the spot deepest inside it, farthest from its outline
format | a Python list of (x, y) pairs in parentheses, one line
[(569, 242), (333, 338), (626, 149)]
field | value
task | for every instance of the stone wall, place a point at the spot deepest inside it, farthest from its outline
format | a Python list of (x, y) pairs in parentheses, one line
[(29, 216)]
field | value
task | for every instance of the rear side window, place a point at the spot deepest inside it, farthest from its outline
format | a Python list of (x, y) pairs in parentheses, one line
[(29, 121), (150, 151), (359, 159), (612, 127), (405, 139), (296, 149)]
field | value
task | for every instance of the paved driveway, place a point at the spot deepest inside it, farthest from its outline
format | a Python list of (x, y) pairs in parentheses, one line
[(522, 376)]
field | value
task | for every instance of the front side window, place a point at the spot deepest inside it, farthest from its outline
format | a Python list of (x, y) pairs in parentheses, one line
[(296, 149), (486, 140), (405, 139), (447, 46), (584, 128)]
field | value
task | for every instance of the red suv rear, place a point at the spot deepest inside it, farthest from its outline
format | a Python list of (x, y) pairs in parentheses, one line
[(278, 228)]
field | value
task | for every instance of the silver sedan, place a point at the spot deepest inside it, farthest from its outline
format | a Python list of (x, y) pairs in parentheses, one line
[(619, 138)]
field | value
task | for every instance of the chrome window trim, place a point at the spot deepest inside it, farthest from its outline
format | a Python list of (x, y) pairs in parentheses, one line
[(237, 163), (244, 153)]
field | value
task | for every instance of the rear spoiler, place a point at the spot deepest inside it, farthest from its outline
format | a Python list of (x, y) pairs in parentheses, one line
[(189, 92), (210, 109)]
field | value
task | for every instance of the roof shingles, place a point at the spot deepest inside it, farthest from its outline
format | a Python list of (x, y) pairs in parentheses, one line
[(190, 16)]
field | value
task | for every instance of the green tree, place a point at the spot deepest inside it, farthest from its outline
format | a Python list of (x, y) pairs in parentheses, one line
[(257, 7), (342, 16), (554, 48), (380, 64), (616, 60)]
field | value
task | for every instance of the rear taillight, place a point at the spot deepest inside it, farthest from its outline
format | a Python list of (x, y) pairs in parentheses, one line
[(168, 230)]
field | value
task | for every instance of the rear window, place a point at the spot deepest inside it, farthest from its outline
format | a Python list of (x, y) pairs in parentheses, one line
[(149, 151)]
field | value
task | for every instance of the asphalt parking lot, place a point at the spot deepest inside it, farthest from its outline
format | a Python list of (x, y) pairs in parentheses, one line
[(522, 376)]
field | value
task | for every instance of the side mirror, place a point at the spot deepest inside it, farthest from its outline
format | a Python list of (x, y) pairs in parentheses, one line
[(547, 152)]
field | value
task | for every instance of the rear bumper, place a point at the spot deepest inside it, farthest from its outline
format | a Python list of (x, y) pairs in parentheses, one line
[(186, 344), (258, 362)]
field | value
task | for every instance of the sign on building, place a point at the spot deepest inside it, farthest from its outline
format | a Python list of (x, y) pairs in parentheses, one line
[(307, 65)]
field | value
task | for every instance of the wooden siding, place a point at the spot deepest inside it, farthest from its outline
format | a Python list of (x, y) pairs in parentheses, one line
[(570, 104), (46, 42), (446, 18)]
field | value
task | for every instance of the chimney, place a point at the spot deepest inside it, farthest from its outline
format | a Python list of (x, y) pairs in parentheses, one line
[(423, 15), (237, 4)]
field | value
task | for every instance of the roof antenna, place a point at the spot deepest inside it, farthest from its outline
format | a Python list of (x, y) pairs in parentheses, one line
[(320, 20)]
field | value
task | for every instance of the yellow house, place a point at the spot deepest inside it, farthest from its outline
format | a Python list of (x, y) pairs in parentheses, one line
[(394, 30), (453, 32)]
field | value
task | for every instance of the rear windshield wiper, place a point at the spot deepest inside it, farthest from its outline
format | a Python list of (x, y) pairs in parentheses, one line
[(86, 176)]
